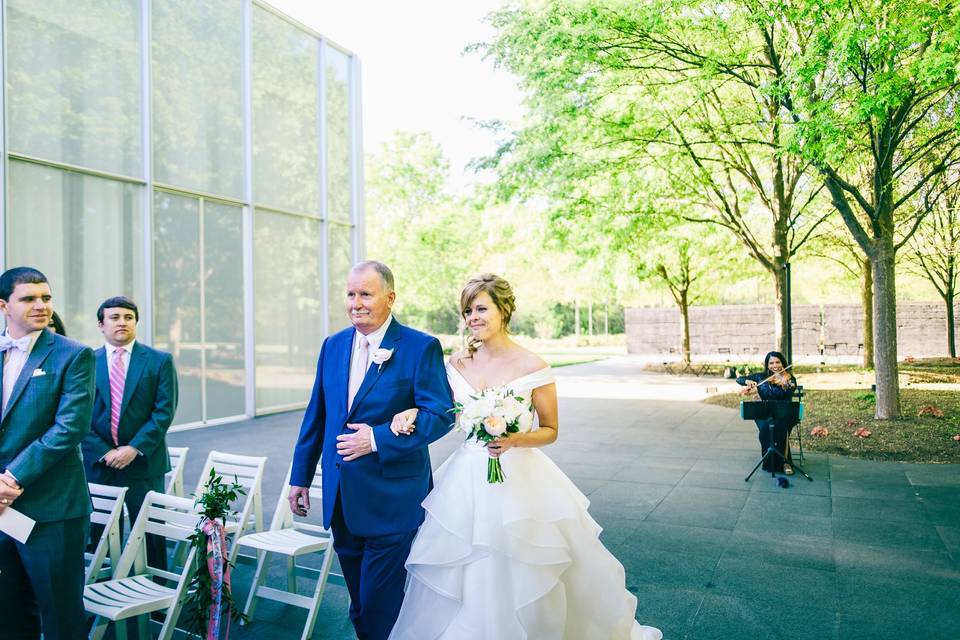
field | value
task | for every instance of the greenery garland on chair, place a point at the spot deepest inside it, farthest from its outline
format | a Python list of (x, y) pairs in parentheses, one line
[(209, 593)]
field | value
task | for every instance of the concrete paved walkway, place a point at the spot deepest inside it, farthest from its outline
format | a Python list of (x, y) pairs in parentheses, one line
[(868, 550)]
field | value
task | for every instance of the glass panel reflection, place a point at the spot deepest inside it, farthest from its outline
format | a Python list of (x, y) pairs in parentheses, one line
[(176, 286), (286, 168), (83, 233), (340, 259), (73, 82), (197, 53), (337, 87), (223, 309), (288, 307)]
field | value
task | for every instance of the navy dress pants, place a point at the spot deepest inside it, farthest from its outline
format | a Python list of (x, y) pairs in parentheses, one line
[(373, 568), (41, 582)]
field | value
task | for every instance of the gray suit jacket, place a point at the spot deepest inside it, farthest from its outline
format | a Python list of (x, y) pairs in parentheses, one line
[(47, 416), (147, 408)]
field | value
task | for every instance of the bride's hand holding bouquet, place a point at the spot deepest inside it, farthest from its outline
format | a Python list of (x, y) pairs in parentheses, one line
[(491, 417)]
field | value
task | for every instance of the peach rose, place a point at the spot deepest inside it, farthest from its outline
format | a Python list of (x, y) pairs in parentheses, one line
[(495, 425)]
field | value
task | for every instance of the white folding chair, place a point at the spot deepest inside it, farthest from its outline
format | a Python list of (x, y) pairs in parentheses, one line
[(132, 591), (291, 538), (174, 477), (248, 472), (107, 512)]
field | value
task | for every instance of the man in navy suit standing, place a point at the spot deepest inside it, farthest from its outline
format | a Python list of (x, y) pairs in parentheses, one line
[(135, 403), (373, 481), (47, 385)]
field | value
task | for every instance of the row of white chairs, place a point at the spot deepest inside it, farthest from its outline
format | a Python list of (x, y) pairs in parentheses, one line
[(121, 586), (108, 510)]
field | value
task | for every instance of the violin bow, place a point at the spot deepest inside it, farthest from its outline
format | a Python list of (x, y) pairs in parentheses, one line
[(768, 379)]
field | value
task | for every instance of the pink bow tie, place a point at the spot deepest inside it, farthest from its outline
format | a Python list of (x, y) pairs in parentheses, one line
[(6, 343)]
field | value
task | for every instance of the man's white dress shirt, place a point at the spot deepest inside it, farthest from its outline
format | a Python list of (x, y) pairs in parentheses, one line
[(374, 340)]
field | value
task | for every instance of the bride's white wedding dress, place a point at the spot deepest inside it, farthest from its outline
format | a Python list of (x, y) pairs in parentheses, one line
[(521, 559)]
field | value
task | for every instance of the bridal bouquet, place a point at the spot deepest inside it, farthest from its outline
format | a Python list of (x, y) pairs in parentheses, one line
[(491, 414)]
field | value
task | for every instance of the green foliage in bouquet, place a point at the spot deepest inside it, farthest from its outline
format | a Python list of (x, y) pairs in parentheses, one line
[(215, 501), (479, 426)]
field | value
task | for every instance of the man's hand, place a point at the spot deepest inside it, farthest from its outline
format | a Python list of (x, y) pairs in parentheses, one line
[(355, 445), (121, 457), (10, 490), (299, 499)]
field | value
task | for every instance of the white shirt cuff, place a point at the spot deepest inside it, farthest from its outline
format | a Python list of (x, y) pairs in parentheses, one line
[(373, 442)]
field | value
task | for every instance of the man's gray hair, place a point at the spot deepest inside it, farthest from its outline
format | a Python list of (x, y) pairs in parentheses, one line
[(383, 270)]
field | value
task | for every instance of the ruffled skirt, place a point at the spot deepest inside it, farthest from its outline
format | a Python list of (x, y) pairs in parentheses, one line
[(516, 560)]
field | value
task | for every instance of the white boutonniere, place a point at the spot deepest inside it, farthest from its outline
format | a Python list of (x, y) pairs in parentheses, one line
[(380, 356)]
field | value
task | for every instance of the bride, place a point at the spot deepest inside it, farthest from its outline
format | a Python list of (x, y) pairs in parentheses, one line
[(521, 559)]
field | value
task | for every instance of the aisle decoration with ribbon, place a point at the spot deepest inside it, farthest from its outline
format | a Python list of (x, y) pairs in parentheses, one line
[(209, 595)]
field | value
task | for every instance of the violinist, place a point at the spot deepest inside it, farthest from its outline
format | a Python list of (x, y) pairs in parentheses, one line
[(775, 383)]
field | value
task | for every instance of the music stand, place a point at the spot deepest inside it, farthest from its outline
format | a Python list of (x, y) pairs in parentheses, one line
[(782, 410)]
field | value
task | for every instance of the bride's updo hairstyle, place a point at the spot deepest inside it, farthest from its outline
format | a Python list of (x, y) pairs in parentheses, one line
[(499, 291)]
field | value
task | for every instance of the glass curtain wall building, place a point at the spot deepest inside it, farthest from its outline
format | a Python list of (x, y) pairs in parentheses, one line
[(200, 157)]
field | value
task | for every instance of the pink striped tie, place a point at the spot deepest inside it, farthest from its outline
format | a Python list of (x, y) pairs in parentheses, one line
[(117, 378)]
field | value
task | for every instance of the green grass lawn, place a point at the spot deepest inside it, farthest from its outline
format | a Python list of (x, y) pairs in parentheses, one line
[(925, 370), (567, 359), (918, 370), (912, 438)]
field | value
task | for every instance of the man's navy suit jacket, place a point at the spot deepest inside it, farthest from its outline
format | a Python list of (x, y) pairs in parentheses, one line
[(380, 493), (148, 406)]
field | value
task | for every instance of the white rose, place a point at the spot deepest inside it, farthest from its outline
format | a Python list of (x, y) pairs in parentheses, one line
[(525, 421), (512, 409), (469, 414), (380, 356), (484, 406)]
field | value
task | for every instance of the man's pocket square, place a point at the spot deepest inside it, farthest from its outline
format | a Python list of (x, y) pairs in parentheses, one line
[(38, 372)]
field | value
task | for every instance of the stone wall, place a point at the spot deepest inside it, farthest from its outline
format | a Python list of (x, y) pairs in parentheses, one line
[(747, 329)]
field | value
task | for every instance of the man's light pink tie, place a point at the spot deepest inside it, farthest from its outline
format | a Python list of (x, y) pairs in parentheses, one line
[(117, 379), (358, 369)]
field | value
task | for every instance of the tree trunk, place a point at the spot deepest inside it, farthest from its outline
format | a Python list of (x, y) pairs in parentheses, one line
[(606, 318), (951, 339), (885, 329), (866, 299), (684, 329), (780, 317), (576, 318), (590, 318)]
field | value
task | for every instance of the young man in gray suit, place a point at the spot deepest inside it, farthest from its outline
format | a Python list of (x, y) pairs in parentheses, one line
[(47, 400), (135, 402)]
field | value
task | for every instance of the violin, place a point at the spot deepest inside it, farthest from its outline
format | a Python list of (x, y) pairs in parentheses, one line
[(782, 379)]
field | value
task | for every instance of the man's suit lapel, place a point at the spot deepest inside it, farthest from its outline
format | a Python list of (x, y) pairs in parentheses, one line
[(103, 375), (41, 349), (345, 357), (390, 339), (138, 359)]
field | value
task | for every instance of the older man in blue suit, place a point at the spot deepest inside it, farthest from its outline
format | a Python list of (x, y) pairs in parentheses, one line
[(48, 383), (373, 480)]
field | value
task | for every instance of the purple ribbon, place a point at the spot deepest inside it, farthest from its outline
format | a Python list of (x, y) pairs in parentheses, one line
[(219, 574)]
